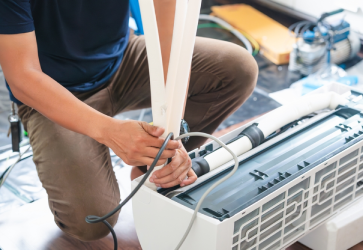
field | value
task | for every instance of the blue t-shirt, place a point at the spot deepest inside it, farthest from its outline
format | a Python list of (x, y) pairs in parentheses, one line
[(80, 42)]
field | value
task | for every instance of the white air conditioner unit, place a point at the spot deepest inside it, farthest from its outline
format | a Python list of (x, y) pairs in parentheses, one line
[(284, 188)]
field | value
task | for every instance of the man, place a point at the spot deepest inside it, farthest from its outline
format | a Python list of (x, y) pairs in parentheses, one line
[(71, 66)]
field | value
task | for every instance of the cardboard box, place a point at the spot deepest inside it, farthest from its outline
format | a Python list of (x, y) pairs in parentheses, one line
[(274, 38)]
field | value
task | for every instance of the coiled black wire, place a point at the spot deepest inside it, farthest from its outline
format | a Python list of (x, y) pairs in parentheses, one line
[(95, 219)]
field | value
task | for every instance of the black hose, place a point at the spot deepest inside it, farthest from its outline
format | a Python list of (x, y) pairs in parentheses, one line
[(95, 219)]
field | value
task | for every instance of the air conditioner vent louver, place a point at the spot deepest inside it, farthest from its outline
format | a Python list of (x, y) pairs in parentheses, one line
[(301, 207)]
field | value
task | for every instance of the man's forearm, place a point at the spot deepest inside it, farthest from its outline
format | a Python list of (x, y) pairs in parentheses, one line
[(22, 70), (58, 104)]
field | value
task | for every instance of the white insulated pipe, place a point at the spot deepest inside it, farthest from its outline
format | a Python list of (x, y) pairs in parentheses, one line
[(181, 9), (219, 157), (176, 95), (155, 62), (156, 71), (167, 113), (283, 115), (274, 120)]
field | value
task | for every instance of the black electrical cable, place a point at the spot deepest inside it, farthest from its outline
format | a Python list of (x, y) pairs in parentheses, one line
[(95, 219)]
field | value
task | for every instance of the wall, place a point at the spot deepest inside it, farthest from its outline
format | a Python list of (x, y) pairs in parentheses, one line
[(353, 13)]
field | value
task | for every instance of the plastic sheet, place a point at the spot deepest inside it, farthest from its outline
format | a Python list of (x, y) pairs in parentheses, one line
[(22, 186)]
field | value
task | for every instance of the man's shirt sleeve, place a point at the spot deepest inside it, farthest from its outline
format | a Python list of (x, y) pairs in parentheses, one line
[(15, 17)]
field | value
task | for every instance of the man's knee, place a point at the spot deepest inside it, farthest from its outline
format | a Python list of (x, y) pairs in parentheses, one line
[(70, 214), (90, 232), (77, 227), (241, 68)]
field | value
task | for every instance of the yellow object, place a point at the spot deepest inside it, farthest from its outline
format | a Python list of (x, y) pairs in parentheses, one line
[(254, 43), (274, 39)]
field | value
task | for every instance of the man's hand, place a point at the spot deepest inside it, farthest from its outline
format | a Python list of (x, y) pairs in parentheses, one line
[(137, 143), (175, 172)]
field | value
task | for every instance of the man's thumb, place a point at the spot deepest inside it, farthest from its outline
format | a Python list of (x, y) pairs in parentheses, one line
[(153, 130)]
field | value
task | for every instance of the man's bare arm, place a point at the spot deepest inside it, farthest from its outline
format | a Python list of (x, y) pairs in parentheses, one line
[(20, 63), (135, 142)]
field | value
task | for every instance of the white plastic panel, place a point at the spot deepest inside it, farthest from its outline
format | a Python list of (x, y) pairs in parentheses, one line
[(283, 217), (341, 232)]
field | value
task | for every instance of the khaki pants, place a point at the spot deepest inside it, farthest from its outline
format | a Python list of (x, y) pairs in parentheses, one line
[(76, 170)]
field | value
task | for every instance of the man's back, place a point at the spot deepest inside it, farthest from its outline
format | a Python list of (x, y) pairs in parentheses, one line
[(80, 42)]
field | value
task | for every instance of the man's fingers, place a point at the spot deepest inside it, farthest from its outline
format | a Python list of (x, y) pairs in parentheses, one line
[(175, 175), (192, 177), (172, 144), (152, 152), (158, 142), (148, 161), (152, 130), (178, 160), (175, 182), (153, 140)]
